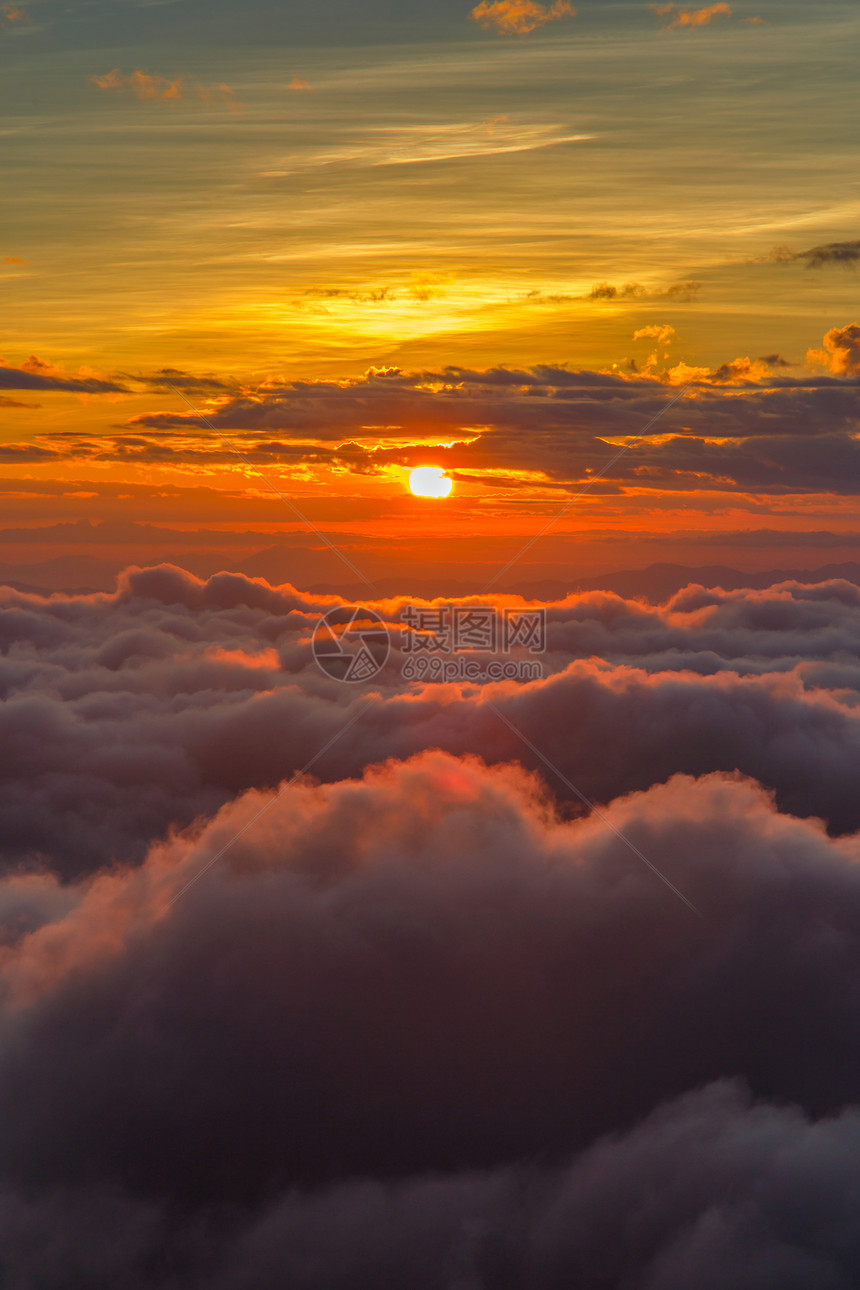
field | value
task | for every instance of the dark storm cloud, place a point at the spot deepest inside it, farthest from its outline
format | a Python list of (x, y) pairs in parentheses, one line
[(127, 713)]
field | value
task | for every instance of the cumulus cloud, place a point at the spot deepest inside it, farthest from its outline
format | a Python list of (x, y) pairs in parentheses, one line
[(384, 1037), (841, 351), (194, 691), (404, 991), (712, 1189), (662, 334), (519, 17)]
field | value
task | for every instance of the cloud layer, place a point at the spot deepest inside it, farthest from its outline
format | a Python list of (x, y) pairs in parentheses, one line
[(439, 996), (420, 1019), (750, 426), (127, 713), (744, 427)]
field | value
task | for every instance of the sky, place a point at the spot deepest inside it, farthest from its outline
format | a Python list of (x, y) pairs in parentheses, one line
[(435, 892), (277, 248)]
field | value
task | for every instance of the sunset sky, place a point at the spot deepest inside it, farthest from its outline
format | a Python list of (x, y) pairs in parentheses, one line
[(362, 237), (429, 645)]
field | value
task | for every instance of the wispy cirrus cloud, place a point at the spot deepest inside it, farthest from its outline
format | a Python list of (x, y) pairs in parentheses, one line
[(519, 17), (413, 144)]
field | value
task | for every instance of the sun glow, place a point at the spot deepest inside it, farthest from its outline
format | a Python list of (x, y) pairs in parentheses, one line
[(430, 481)]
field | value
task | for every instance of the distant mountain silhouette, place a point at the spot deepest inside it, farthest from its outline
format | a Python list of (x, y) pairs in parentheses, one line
[(78, 573), (660, 581), (655, 583), (297, 564), (277, 565)]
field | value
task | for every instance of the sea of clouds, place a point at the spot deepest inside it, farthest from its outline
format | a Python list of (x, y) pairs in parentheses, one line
[(427, 1021)]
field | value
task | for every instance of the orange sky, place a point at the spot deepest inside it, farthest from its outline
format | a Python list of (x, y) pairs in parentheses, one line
[(500, 246)]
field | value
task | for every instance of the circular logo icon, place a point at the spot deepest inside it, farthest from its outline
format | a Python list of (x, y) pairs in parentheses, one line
[(351, 643)]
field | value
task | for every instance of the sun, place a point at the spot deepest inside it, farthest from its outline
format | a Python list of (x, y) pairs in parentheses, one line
[(430, 481)]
